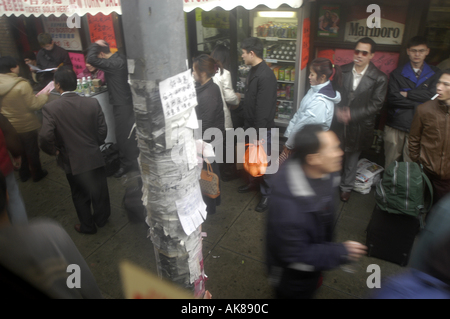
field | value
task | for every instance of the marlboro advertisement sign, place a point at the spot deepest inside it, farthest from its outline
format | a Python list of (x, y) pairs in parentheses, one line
[(391, 29)]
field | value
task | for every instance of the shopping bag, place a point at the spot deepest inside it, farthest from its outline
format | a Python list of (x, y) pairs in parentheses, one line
[(255, 159)]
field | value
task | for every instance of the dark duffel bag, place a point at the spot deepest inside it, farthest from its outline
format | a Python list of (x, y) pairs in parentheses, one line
[(110, 153), (132, 201), (391, 236)]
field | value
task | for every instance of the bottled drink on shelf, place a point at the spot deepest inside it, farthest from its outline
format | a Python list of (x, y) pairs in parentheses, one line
[(90, 85)]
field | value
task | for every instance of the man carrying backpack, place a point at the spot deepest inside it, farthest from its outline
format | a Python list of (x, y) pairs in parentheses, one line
[(429, 136)]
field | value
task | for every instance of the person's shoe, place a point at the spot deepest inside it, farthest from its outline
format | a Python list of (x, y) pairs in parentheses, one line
[(102, 225), (24, 177), (246, 188), (229, 177), (263, 204), (120, 172), (40, 175), (345, 196), (78, 229)]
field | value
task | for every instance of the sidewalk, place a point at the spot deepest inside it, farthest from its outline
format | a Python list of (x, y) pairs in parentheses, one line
[(233, 250)]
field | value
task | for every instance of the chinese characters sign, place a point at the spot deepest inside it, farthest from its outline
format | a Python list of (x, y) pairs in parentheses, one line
[(177, 94), (101, 28), (305, 42), (58, 7), (63, 36), (78, 62)]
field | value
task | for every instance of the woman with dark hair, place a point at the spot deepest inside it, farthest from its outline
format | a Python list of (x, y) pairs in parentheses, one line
[(210, 111), (93, 72), (317, 106)]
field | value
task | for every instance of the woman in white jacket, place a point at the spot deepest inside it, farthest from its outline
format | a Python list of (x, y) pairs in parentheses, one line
[(230, 101), (317, 106), (223, 80)]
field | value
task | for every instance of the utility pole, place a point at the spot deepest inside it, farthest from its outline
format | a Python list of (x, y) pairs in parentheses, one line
[(154, 32)]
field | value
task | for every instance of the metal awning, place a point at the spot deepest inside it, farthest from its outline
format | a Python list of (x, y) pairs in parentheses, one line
[(58, 7), (207, 5)]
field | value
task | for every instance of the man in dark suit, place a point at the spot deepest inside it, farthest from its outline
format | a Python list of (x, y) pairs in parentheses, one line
[(73, 129), (259, 108), (363, 93)]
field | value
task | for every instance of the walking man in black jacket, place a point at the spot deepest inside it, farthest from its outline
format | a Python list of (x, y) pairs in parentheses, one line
[(409, 86), (116, 75), (259, 108), (299, 237)]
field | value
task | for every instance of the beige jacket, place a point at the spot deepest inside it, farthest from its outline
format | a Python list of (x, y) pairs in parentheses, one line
[(18, 102)]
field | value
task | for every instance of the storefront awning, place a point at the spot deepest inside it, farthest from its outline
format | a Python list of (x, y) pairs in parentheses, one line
[(58, 7), (207, 5)]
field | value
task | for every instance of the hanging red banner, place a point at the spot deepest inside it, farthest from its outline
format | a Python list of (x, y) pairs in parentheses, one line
[(305, 42), (101, 28)]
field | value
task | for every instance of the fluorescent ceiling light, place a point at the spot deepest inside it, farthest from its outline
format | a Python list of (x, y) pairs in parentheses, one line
[(277, 14)]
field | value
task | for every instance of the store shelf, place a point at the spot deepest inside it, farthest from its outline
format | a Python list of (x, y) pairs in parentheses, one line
[(277, 61), (283, 100), (290, 82), (275, 39), (439, 9), (282, 122)]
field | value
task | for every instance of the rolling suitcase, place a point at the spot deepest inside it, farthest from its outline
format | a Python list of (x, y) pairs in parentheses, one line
[(391, 236)]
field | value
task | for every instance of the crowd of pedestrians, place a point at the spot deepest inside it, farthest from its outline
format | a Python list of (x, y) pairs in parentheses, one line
[(333, 125)]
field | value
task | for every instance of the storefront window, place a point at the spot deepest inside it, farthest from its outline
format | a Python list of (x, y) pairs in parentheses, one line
[(213, 28), (438, 31)]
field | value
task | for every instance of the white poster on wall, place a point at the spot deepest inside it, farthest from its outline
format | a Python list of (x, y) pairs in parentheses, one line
[(63, 36)]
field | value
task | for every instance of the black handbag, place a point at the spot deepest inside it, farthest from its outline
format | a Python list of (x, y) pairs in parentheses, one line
[(110, 153)]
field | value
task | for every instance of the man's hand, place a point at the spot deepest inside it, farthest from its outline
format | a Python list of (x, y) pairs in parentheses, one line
[(405, 94), (287, 150), (101, 43), (17, 162), (355, 250), (343, 115)]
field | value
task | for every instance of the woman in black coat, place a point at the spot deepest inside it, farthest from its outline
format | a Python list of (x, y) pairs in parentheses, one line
[(210, 112)]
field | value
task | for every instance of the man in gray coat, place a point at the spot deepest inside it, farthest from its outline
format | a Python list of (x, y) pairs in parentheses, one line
[(363, 93), (73, 129)]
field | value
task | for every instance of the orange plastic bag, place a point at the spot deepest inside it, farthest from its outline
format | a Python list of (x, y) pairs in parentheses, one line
[(255, 159)]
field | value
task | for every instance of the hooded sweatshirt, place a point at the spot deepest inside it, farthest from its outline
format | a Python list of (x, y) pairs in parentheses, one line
[(316, 107), (18, 102)]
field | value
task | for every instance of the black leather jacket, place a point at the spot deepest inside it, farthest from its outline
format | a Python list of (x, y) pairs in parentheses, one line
[(116, 75), (364, 105)]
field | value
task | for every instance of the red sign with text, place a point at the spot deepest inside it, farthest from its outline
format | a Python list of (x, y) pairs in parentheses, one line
[(305, 42), (101, 28)]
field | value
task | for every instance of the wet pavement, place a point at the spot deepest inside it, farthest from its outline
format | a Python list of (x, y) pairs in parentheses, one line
[(233, 250)]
